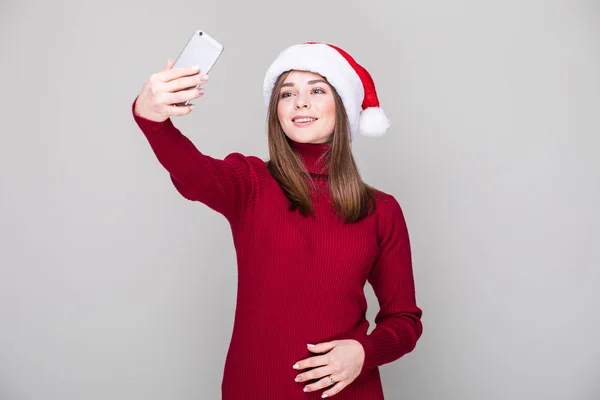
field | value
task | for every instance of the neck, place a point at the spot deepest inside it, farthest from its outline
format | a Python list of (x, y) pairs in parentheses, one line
[(313, 156)]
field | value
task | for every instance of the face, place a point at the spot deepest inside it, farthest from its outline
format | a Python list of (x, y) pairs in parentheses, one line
[(306, 108)]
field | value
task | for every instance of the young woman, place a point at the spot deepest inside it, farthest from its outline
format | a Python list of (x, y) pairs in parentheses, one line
[(308, 232)]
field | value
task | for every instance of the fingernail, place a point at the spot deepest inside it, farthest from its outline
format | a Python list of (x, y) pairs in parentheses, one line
[(201, 91), (296, 366), (298, 378), (311, 345), (196, 68), (324, 395), (192, 107), (306, 389)]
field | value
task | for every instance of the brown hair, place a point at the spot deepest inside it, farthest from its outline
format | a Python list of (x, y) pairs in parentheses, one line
[(353, 199)]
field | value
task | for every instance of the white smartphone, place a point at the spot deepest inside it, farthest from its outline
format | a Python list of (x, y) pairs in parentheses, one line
[(203, 50)]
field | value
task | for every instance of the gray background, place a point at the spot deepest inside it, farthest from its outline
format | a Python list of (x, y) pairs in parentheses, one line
[(115, 287)]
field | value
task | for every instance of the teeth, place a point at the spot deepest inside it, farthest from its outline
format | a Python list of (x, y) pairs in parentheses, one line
[(305, 119)]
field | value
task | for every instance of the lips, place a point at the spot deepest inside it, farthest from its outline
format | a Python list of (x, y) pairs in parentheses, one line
[(303, 122), (303, 119)]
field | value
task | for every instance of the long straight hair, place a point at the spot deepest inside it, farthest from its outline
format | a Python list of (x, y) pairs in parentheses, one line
[(353, 199)]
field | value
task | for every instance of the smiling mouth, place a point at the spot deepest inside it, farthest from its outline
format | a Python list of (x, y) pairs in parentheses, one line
[(301, 120)]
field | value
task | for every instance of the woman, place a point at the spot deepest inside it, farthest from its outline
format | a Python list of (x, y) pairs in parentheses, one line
[(308, 232)]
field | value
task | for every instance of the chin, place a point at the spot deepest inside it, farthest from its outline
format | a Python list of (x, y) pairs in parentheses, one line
[(307, 138)]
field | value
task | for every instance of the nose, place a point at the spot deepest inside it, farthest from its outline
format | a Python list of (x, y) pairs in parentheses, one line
[(301, 102)]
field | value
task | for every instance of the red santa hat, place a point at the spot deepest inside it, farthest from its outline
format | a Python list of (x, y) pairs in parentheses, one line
[(352, 82)]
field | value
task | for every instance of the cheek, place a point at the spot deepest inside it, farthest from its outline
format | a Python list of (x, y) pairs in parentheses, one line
[(284, 111), (328, 108)]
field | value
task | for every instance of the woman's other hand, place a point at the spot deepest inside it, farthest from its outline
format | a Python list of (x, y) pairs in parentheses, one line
[(339, 367)]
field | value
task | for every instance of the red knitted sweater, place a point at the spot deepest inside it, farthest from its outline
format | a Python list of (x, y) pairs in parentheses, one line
[(300, 279)]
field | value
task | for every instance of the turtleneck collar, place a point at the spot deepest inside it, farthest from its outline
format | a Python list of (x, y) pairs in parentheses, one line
[(312, 154)]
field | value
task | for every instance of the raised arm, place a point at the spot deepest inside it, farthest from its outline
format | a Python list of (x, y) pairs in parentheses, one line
[(224, 185)]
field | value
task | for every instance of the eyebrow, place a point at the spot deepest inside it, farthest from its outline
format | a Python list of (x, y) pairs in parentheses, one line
[(309, 82)]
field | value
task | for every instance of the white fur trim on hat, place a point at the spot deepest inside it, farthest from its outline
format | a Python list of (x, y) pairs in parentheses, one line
[(327, 62)]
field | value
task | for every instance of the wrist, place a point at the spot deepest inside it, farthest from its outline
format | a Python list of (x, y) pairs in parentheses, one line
[(145, 122), (139, 112)]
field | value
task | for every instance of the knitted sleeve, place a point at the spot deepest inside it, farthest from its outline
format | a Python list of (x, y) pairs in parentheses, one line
[(223, 185), (398, 322)]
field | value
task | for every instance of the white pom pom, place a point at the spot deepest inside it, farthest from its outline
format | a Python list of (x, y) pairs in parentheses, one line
[(373, 122)]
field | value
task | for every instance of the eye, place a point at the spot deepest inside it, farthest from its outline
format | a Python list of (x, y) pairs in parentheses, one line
[(285, 94), (318, 91)]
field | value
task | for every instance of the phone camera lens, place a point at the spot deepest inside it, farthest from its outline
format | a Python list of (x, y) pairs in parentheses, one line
[(200, 33)]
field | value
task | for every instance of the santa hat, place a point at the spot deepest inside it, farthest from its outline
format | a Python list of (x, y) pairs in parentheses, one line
[(352, 82)]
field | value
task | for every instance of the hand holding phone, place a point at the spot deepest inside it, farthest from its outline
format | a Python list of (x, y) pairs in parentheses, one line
[(169, 92)]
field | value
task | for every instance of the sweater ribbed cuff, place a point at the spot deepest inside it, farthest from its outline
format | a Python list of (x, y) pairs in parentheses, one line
[(147, 126), (365, 343), (381, 347)]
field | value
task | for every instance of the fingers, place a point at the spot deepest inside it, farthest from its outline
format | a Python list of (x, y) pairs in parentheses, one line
[(322, 347), (314, 374), (168, 87), (315, 361), (185, 82), (174, 73), (329, 371), (181, 96), (170, 64), (178, 111), (177, 90), (325, 382), (335, 389)]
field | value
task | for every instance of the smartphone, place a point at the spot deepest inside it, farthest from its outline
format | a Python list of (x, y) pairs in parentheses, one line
[(203, 50)]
